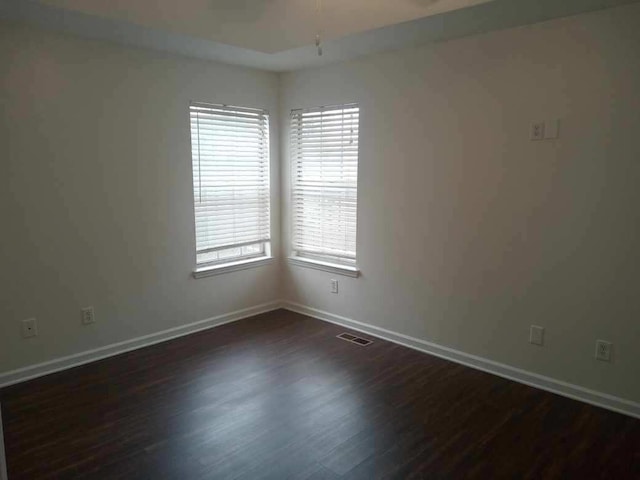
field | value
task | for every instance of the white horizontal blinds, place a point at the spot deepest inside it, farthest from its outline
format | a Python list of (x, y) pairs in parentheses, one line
[(230, 153), (324, 161)]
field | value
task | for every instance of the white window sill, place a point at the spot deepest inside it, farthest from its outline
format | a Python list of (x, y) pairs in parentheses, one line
[(326, 266), (231, 267)]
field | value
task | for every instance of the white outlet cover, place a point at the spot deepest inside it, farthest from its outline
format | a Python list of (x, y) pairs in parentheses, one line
[(536, 335), (536, 131), (603, 350), (334, 286), (29, 328), (88, 316)]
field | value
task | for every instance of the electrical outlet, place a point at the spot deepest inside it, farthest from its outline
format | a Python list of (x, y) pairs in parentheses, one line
[(536, 335), (87, 316), (334, 286), (29, 328), (537, 131), (603, 350)]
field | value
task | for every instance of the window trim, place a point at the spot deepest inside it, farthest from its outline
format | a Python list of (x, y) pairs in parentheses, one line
[(206, 269), (306, 259)]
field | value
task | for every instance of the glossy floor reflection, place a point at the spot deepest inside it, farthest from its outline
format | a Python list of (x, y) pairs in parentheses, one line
[(278, 396)]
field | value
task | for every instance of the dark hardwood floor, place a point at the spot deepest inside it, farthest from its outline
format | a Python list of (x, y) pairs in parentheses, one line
[(279, 396)]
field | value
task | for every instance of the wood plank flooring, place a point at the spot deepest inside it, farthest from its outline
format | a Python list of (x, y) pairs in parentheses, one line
[(278, 396)]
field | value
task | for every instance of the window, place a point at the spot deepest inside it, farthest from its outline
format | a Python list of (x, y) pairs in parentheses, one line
[(324, 162), (230, 154)]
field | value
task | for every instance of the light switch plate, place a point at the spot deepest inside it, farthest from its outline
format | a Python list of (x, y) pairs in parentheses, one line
[(536, 335), (551, 129)]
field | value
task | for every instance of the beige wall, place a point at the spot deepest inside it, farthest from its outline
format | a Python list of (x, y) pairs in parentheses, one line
[(96, 198), (468, 232)]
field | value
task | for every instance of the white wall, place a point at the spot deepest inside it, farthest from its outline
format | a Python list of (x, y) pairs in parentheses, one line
[(96, 198), (468, 232)]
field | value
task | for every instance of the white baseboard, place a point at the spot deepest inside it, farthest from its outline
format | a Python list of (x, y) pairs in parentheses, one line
[(63, 363), (3, 458), (559, 387)]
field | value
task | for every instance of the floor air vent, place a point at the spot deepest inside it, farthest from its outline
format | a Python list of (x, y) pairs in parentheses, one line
[(353, 339)]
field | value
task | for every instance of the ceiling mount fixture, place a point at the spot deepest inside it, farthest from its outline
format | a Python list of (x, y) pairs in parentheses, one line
[(319, 20)]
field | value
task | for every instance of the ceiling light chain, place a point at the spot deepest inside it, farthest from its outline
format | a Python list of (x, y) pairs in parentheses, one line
[(319, 19)]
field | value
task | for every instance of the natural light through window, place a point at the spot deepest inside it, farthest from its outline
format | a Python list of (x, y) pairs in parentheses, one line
[(230, 155), (324, 162)]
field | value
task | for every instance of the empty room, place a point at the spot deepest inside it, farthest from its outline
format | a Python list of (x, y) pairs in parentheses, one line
[(319, 239)]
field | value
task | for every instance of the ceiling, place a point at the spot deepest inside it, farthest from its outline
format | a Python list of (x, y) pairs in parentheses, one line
[(278, 35), (264, 25)]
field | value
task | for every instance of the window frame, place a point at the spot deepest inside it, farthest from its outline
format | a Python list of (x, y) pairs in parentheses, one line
[(329, 263), (242, 261)]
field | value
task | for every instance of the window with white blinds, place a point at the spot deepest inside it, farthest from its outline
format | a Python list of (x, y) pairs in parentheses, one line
[(230, 154), (324, 163)]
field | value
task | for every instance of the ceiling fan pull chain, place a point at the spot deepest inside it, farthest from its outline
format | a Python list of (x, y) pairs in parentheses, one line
[(319, 20)]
